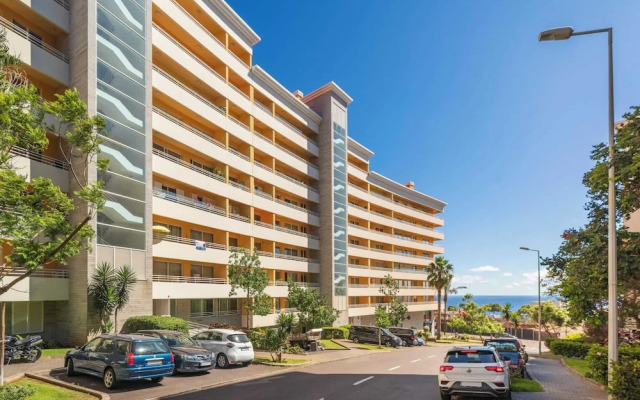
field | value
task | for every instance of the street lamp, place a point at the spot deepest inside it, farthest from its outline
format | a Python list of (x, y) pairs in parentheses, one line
[(563, 34), (539, 303)]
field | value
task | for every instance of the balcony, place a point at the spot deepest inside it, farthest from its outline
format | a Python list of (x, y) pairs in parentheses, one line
[(41, 285), (37, 54), (392, 239), (385, 220), (387, 255), (35, 165), (174, 247)]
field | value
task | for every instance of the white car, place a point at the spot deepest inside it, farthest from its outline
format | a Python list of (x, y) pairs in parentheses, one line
[(230, 347), (474, 371)]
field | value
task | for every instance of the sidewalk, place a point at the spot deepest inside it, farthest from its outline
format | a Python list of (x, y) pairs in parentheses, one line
[(44, 364), (558, 383)]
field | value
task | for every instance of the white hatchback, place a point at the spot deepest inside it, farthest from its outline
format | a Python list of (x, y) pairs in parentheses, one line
[(230, 347), (474, 371)]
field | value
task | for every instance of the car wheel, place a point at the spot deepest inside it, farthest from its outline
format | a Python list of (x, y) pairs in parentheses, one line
[(388, 343), (405, 343), (157, 380), (222, 361), (109, 379), (445, 396), (355, 339), (70, 368)]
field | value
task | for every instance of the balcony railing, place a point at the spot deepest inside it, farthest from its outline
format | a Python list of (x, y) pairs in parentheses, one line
[(358, 168), (295, 129), (31, 155), (41, 273), (63, 3), (262, 107), (35, 40), (293, 232), (408, 239), (218, 246), (388, 217), (390, 252), (189, 279), (301, 284), (297, 182)]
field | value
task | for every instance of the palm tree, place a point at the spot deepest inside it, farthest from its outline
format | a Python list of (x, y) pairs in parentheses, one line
[(506, 312), (517, 320), (439, 275), (125, 278)]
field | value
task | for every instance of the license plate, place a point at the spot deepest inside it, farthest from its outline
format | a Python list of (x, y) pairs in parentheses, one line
[(244, 348), (471, 384), (154, 362), (205, 363)]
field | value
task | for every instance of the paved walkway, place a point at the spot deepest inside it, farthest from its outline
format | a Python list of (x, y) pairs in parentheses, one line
[(44, 364), (559, 383)]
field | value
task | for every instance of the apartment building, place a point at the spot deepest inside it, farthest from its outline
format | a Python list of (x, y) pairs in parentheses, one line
[(208, 152)]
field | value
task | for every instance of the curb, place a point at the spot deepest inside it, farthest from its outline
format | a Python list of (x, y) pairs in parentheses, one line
[(55, 382), (584, 378), (273, 364)]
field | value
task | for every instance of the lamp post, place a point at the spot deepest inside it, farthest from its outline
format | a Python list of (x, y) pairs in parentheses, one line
[(565, 33), (539, 303)]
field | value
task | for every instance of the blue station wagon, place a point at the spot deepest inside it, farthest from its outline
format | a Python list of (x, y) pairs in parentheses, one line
[(116, 358)]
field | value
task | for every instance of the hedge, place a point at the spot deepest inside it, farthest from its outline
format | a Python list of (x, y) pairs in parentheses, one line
[(135, 324), (625, 384), (598, 357), (335, 333), (569, 348)]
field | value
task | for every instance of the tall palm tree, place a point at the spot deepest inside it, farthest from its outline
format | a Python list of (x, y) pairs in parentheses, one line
[(110, 289), (507, 315), (125, 278), (439, 275)]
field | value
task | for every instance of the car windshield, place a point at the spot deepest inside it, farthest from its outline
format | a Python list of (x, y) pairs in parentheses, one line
[(238, 338), (180, 341), (470, 356), (386, 332), (503, 346), (149, 347)]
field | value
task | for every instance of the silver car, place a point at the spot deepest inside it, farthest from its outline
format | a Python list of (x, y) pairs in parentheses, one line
[(230, 347), (474, 371)]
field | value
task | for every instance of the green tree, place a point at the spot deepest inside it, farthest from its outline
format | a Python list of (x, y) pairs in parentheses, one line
[(473, 319), (275, 340), (507, 313), (439, 273), (382, 321), (397, 310), (109, 290), (517, 321), (552, 317), (35, 215), (313, 309), (245, 274), (492, 307)]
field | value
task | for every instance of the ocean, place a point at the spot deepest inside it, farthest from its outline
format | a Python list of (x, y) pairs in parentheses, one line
[(516, 301)]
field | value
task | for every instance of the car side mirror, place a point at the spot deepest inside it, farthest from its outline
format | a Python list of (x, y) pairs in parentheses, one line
[(78, 348)]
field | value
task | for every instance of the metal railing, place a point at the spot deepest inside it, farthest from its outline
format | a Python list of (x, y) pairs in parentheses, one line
[(356, 167), (294, 129), (263, 224), (292, 154), (297, 182), (195, 22), (240, 92), (297, 207), (36, 41), (396, 236), (189, 279), (301, 284), (240, 186), (294, 232), (32, 155), (63, 3), (188, 165), (188, 127), (238, 122), (262, 194), (177, 198), (262, 107), (192, 242), (41, 273)]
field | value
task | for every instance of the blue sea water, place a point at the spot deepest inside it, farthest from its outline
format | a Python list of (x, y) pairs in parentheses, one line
[(516, 301)]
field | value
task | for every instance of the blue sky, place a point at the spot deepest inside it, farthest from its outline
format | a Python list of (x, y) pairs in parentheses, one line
[(460, 97)]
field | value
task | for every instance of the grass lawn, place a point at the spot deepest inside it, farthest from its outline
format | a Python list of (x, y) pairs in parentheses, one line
[(288, 361), (579, 365), (55, 352), (329, 345), (45, 391), (525, 385), (372, 347)]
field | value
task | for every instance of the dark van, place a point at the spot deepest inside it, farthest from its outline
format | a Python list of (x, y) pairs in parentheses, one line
[(369, 334), (407, 335)]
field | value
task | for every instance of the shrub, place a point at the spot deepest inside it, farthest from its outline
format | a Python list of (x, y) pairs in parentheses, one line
[(335, 333), (569, 348), (256, 337), (625, 384), (52, 344), (135, 324), (598, 357), (16, 392), (580, 337)]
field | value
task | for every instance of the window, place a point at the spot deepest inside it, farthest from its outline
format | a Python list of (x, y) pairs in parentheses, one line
[(203, 236), (227, 306), (124, 347), (233, 242), (27, 317), (201, 307), (92, 345), (355, 242), (167, 268), (167, 151), (168, 189), (201, 271), (258, 246), (380, 247), (173, 229), (106, 346), (303, 253)]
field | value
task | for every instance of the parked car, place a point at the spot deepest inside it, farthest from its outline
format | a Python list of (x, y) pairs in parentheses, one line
[(116, 358), (419, 341), (508, 352), (515, 341), (407, 335), (369, 334), (474, 371), (188, 355), (230, 347)]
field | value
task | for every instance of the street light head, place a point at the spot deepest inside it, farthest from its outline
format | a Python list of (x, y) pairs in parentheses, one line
[(524, 248), (563, 33)]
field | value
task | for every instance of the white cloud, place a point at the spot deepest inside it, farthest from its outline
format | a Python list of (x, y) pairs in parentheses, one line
[(468, 279), (485, 268), (516, 284), (509, 286), (507, 274)]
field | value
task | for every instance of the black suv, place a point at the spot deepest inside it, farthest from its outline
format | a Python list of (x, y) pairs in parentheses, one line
[(369, 334), (407, 335), (189, 356)]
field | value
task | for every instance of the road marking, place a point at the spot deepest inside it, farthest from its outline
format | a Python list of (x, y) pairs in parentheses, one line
[(364, 380), (392, 368), (416, 360), (431, 356)]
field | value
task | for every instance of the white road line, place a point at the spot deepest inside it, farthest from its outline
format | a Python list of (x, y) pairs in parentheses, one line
[(431, 356), (364, 380), (416, 360), (392, 368)]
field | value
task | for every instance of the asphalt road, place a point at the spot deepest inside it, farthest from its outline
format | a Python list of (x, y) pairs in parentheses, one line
[(409, 373)]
